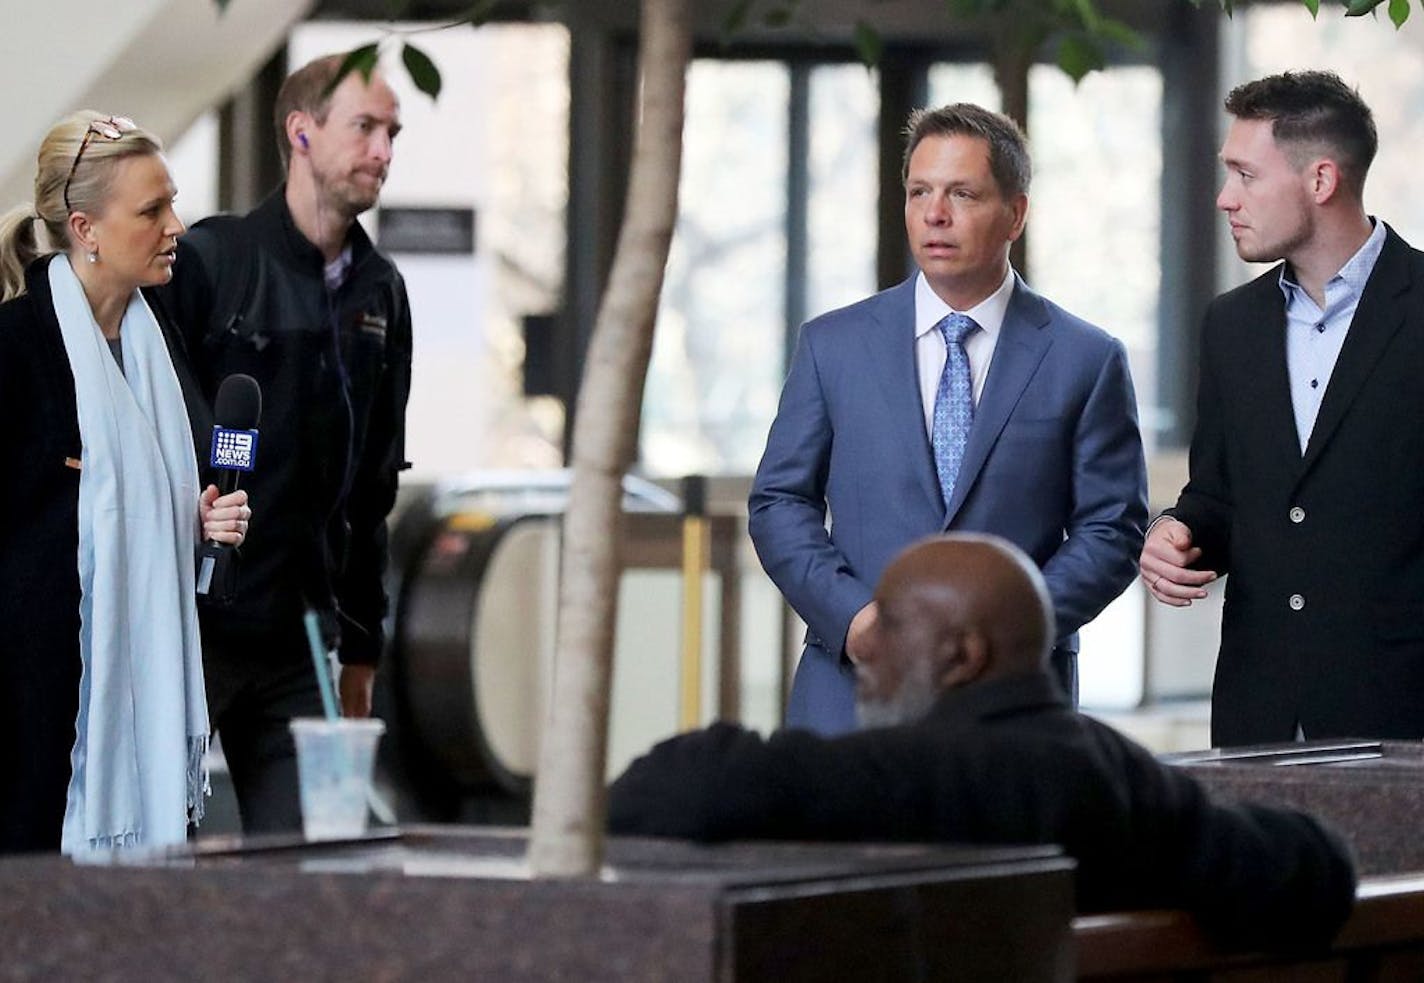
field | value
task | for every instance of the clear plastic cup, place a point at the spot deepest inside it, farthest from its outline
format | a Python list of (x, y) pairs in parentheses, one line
[(334, 762)]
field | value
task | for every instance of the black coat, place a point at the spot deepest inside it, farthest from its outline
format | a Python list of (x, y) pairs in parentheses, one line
[(334, 368), (1006, 762), (1324, 616), (39, 573)]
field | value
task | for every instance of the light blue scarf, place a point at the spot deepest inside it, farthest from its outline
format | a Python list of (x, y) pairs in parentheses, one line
[(137, 766)]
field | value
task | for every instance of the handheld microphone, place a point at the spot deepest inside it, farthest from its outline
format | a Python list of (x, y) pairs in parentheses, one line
[(236, 413)]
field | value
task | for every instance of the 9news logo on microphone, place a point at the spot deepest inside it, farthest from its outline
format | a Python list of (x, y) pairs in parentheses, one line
[(234, 450)]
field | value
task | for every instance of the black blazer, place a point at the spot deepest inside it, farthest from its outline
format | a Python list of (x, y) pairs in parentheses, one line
[(1324, 616), (39, 575), (1006, 762)]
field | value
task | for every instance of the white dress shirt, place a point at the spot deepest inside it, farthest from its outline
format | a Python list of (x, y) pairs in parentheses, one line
[(979, 346)]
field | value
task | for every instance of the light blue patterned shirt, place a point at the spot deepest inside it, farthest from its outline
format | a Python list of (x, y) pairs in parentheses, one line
[(1314, 336)]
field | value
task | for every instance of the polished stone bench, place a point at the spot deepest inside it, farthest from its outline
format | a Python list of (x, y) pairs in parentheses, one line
[(456, 903), (448, 902), (1372, 792)]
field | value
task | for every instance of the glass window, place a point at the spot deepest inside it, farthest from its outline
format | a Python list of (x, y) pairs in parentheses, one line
[(1093, 248), (958, 82), (840, 261), (1095, 220), (716, 367)]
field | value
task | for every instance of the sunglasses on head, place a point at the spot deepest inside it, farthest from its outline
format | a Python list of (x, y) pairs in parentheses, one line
[(112, 128)]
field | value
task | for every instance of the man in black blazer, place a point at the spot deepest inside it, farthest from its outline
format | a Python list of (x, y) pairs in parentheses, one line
[(1307, 464), (971, 741)]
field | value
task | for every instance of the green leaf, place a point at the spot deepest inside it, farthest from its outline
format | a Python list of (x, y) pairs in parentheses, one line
[(1358, 8), (736, 18), (422, 70), (869, 47), (1087, 15), (1398, 12), (1116, 32), (1313, 6), (1079, 54), (362, 59)]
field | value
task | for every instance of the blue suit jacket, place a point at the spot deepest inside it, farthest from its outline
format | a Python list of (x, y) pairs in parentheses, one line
[(1054, 463)]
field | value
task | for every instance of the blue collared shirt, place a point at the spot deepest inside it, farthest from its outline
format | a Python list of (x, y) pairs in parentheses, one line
[(1314, 336)]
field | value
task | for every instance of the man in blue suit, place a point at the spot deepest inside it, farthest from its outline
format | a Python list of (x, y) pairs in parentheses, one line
[(958, 400)]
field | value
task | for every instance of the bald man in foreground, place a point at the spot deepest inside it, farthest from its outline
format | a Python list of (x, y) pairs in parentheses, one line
[(971, 741)]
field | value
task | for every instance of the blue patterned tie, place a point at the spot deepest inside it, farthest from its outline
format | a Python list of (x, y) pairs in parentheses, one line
[(954, 402)]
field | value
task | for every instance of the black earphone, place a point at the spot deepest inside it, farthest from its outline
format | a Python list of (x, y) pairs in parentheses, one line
[(302, 139)]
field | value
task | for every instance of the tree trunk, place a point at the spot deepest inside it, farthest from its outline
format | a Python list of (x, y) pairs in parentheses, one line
[(567, 835), (1013, 55)]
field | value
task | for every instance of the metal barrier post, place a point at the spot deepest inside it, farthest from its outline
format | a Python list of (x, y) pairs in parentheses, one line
[(694, 564)]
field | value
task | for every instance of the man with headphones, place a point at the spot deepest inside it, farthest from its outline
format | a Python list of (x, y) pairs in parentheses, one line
[(295, 295)]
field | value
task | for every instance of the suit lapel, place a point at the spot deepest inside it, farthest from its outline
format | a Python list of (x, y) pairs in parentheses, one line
[(1023, 341), (1377, 318), (1266, 398), (890, 357)]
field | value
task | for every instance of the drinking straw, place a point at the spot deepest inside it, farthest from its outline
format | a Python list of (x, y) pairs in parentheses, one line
[(323, 675), (378, 805)]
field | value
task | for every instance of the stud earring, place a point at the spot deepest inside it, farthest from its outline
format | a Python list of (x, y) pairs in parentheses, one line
[(93, 255)]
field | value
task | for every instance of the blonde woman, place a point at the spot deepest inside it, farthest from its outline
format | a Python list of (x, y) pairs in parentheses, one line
[(103, 722)]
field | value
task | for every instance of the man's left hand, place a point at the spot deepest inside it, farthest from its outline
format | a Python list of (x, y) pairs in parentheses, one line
[(356, 685)]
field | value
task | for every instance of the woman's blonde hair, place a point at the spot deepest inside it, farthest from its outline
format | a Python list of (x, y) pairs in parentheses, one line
[(76, 162)]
